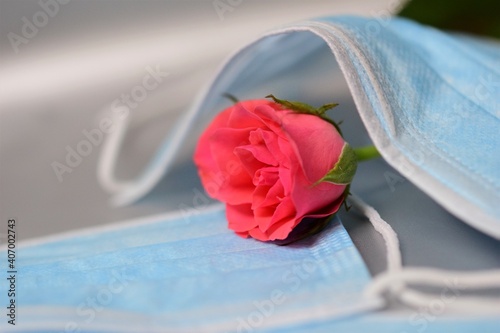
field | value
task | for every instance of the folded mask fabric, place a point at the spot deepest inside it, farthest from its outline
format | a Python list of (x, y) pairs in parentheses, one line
[(181, 273), (430, 320), (428, 99)]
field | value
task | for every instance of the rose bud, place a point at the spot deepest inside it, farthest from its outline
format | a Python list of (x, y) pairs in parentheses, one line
[(275, 164)]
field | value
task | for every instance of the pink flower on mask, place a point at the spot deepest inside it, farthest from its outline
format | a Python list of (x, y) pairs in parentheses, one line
[(266, 163)]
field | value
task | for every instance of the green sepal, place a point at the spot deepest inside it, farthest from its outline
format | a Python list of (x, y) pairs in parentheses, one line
[(304, 108), (343, 171), (231, 97)]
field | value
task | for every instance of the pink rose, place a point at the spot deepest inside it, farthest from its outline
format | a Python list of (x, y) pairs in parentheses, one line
[(264, 162)]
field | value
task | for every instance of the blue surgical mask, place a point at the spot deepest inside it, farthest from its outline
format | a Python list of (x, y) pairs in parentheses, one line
[(417, 321), (179, 273)]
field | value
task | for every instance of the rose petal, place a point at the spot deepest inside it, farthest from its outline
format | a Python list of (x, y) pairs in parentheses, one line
[(269, 216), (266, 176), (321, 151), (258, 234), (287, 180), (243, 234), (263, 216), (272, 114), (271, 141), (288, 159), (203, 157), (237, 187), (248, 160), (275, 194), (242, 115), (259, 148), (281, 231), (240, 217), (330, 209), (266, 196), (310, 199)]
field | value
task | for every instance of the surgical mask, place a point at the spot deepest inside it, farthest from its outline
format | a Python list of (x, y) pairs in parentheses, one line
[(185, 273), (189, 273), (397, 323)]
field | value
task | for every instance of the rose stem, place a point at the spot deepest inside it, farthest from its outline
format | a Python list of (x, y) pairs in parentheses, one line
[(366, 153)]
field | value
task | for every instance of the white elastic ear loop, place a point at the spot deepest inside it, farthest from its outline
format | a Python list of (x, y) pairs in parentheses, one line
[(394, 261), (393, 254), (394, 280), (110, 150), (450, 296)]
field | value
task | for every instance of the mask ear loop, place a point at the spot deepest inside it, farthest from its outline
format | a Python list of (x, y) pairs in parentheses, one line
[(394, 260), (125, 192), (451, 284), (395, 279), (110, 150)]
